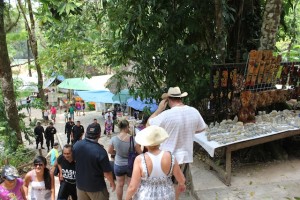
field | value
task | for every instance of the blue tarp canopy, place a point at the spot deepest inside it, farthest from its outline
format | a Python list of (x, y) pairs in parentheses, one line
[(138, 104), (49, 81), (98, 96)]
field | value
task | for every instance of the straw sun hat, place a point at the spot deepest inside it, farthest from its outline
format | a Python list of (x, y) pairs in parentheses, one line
[(151, 136), (174, 92)]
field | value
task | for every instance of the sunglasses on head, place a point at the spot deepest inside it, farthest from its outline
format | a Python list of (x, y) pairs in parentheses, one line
[(38, 164)]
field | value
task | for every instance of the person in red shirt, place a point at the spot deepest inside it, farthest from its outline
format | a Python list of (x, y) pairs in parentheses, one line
[(53, 113)]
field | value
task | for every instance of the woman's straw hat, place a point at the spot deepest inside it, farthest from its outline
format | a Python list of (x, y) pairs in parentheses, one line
[(151, 136)]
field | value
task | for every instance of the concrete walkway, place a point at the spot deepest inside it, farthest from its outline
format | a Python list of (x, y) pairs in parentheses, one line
[(61, 138), (267, 181)]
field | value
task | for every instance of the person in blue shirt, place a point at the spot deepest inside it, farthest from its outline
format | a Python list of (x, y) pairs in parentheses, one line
[(92, 166), (53, 154)]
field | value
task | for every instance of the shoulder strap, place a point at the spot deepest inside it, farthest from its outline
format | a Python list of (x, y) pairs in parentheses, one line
[(172, 164), (131, 145), (145, 164), (32, 175)]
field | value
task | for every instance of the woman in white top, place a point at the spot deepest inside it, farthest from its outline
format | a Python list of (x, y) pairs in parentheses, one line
[(42, 182), (152, 171)]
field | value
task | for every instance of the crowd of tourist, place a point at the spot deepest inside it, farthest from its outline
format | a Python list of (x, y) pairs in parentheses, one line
[(164, 149)]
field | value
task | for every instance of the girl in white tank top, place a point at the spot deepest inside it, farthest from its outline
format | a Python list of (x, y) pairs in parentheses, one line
[(40, 180), (38, 189)]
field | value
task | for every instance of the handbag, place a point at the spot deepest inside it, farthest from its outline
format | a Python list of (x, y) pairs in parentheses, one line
[(132, 154)]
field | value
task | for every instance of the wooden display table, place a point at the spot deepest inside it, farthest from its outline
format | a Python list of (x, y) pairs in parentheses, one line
[(225, 174)]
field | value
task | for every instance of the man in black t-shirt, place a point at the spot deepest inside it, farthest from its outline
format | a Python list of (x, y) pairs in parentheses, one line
[(49, 135), (68, 129), (97, 125), (77, 132), (38, 132), (67, 174), (92, 166)]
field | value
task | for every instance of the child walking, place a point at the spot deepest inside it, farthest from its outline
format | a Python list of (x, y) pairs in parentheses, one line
[(46, 116), (66, 115), (53, 153)]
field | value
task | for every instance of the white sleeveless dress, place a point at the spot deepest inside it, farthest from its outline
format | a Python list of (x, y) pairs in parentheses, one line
[(157, 185), (38, 190)]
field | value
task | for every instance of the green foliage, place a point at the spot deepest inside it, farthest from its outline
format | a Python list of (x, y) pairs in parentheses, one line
[(38, 103), (168, 42), (7, 135), (91, 106), (147, 111), (33, 122), (165, 41), (72, 32), (289, 32), (16, 35), (21, 156)]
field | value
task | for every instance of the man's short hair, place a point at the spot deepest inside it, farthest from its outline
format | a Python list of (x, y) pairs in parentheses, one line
[(68, 146), (78, 121)]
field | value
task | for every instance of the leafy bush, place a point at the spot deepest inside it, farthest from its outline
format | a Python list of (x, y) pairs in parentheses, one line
[(91, 106), (20, 157)]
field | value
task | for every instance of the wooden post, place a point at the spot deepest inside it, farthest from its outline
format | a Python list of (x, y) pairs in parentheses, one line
[(228, 167)]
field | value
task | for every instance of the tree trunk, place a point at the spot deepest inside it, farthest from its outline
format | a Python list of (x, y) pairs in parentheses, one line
[(220, 41), (33, 44), (270, 24), (238, 40), (7, 81), (28, 56)]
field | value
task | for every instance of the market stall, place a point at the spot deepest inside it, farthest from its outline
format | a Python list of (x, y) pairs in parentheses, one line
[(244, 94)]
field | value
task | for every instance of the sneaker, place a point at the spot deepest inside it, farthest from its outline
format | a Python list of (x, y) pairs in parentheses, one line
[(43, 148)]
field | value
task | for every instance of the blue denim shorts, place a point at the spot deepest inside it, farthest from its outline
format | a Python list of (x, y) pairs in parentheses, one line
[(122, 170)]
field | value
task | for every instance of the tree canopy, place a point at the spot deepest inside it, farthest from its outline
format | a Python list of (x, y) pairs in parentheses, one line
[(166, 43)]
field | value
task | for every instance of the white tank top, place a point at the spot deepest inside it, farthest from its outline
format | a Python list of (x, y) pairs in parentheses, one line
[(156, 165), (38, 190)]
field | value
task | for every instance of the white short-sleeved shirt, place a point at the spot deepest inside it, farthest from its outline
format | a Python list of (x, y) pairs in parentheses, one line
[(108, 114), (181, 122)]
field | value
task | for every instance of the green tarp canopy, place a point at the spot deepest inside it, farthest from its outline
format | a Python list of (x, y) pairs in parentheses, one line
[(94, 83), (76, 84)]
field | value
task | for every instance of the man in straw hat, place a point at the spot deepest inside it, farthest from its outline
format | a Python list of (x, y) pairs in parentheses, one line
[(181, 122)]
